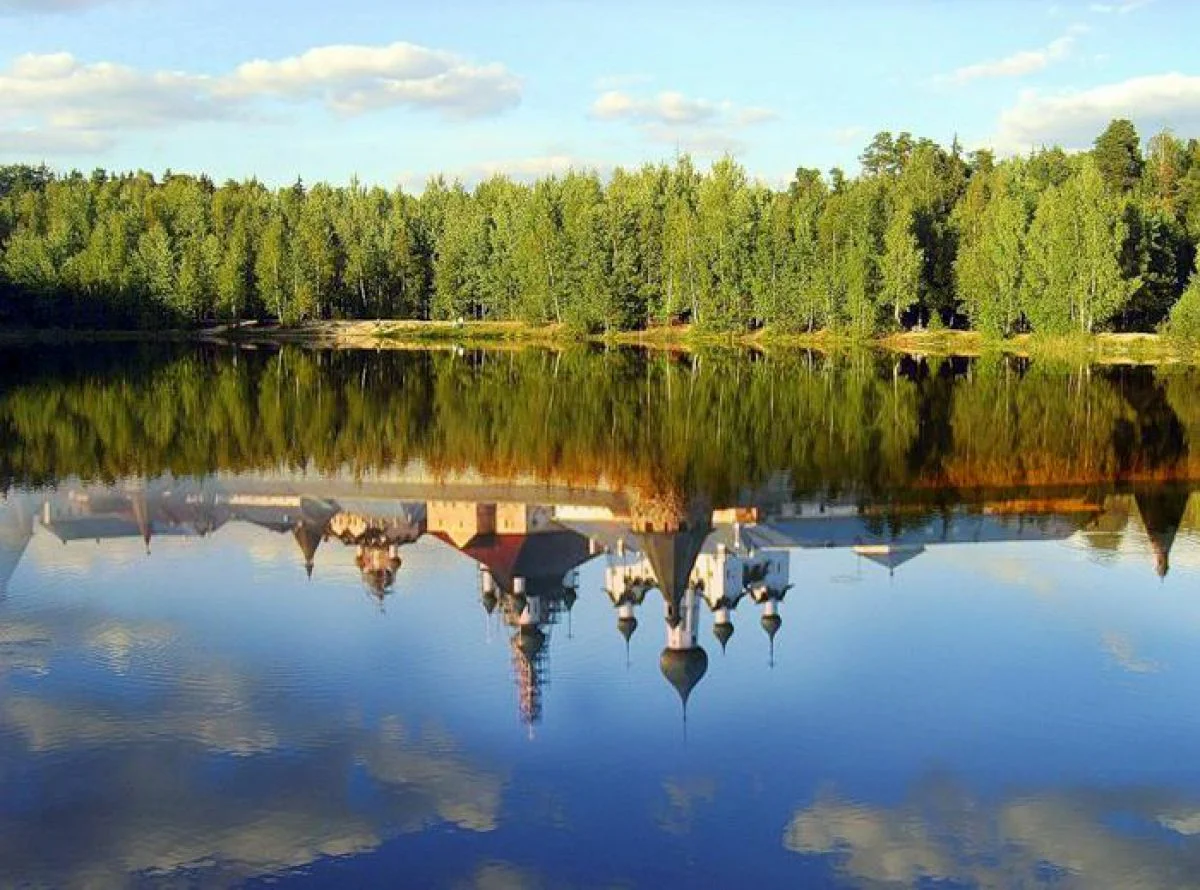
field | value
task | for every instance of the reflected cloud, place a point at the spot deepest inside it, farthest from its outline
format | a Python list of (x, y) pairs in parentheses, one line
[(501, 876), (117, 643), (23, 647), (204, 771), (1068, 839), (684, 798), (1120, 647)]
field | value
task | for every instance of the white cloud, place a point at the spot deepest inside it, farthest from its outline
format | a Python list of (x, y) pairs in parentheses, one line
[(1074, 119), (848, 135), (354, 79), (747, 117), (54, 103), (1021, 63), (1119, 8), (668, 107), (34, 143), (700, 126), (74, 96)]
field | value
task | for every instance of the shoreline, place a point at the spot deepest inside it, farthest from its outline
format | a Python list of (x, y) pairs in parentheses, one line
[(1100, 348)]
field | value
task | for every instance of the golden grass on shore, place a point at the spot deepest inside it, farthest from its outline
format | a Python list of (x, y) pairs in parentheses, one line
[(1098, 348)]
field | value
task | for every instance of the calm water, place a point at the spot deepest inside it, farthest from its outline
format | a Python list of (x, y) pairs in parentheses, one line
[(596, 620)]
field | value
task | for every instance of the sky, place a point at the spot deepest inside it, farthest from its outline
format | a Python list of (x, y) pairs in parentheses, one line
[(394, 93)]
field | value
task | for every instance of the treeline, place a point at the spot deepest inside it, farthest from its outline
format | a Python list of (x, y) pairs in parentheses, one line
[(858, 424), (924, 236)]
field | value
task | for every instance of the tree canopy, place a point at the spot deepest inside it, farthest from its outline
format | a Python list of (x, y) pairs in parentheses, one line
[(924, 235)]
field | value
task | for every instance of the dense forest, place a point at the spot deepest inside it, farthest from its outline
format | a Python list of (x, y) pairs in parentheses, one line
[(924, 237)]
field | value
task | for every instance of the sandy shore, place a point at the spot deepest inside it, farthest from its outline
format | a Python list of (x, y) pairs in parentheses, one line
[(1117, 348)]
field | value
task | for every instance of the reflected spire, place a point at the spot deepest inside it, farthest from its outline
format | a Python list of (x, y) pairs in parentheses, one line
[(308, 536), (1162, 509), (141, 513), (771, 624), (723, 631), (529, 664), (770, 599), (627, 625)]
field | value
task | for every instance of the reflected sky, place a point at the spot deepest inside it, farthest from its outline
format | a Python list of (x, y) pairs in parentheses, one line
[(202, 711), (595, 619)]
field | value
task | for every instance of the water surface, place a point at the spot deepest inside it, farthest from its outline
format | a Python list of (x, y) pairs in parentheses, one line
[(589, 619)]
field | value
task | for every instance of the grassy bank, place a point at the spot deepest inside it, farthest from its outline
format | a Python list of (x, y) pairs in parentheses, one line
[(1097, 348)]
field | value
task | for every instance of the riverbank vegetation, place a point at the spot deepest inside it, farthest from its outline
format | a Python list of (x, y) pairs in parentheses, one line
[(925, 238)]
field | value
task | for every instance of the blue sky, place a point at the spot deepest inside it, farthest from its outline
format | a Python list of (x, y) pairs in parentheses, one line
[(395, 92)]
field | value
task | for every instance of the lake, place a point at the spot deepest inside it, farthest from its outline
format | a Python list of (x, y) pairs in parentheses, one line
[(596, 619)]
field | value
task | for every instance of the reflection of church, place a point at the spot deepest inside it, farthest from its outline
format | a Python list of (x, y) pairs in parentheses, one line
[(699, 561), (527, 567)]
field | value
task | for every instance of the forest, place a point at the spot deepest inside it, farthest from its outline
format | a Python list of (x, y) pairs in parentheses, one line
[(924, 237)]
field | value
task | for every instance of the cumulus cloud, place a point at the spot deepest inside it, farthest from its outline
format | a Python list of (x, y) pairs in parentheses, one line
[(1021, 63), (700, 126), (354, 79), (1074, 119), (55, 103)]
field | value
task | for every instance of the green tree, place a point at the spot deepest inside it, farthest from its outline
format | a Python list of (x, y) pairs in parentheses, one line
[(1184, 323), (1073, 277), (1118, 156), (990, 260), (900, 266)]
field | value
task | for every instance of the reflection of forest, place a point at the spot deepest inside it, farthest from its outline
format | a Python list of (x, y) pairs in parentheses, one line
[(529, 549), (719, 425)]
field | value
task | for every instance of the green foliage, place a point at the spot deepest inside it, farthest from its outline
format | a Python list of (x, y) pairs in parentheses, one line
[(1073, 279), (1118, 156), (900, 267), (1051, 243), (990, 260), (1184, 323)]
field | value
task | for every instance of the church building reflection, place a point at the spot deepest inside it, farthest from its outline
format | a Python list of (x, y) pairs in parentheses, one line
[(700, 560)]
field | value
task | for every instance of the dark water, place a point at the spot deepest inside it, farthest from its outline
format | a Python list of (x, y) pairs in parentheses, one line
[(596, 620)]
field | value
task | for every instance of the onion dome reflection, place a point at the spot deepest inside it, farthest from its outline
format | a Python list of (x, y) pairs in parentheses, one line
[(770, 597), (627, 579), (683, 661), (672, 542), (377, 540)]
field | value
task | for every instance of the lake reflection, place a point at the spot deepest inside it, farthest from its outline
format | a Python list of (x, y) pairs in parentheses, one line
[(428, 621)]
